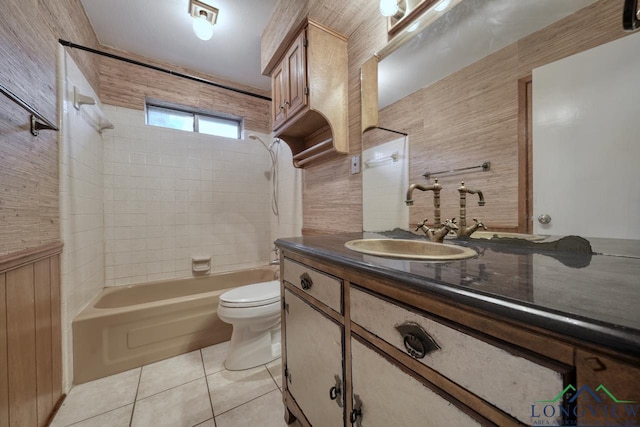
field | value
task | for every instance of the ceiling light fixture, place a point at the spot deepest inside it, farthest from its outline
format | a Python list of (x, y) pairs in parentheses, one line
[(394, 8), (204, 18)]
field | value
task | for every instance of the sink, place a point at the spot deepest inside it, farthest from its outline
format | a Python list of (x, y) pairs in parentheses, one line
[(500, 234), (410, 249)]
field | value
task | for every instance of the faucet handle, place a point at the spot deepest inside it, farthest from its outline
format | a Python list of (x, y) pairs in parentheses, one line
[(422, 225), (480, 224)]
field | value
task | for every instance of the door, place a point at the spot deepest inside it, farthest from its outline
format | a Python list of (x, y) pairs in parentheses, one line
[(385, 395), (314, 362), (297, 76), (279, 113), (585, 152)]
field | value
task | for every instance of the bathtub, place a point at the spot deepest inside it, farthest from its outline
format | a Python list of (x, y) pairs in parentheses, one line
[(129, 326)]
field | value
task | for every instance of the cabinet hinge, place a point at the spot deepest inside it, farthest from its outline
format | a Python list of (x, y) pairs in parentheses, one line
[(305, 43), (306, 90), (285, 306), (287, 375)]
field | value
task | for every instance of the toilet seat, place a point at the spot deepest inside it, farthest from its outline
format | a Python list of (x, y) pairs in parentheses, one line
[(254, 295)]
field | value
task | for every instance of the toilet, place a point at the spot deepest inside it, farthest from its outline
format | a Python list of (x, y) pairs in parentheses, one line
[(254, 312)]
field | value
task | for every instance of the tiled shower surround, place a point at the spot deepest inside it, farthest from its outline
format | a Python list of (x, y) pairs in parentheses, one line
[(170, 195)]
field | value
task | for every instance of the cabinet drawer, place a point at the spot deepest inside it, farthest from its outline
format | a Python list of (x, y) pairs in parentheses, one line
[(326, 289), (508, 381)]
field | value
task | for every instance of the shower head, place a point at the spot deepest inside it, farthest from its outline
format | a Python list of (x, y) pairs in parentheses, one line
[(264, 144)]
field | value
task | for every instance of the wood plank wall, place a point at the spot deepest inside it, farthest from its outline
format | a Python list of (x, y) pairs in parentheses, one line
[(462, 120), (29, 32), (30, 336), (127, 85)]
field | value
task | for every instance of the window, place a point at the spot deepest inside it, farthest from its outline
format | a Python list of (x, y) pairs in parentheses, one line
[(182, 118)]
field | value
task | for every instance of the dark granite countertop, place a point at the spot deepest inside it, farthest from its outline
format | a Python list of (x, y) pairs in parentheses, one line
[(591, 297)]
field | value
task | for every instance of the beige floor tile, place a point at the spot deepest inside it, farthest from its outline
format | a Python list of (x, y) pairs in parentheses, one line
[(98, 397), (229, 389), (275, 369), (183, 406), (214, 356), (169, 373), (265, 411), (120, 417)]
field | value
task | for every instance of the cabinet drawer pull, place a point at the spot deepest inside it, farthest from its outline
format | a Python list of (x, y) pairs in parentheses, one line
[(334, 392), (306, 282), (595, 364), (417, 341)]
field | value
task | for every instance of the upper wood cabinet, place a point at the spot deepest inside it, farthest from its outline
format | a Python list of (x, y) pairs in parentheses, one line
[(289, 83), (309, 89)]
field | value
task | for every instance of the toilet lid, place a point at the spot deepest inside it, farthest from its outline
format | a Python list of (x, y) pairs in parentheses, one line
[(253, 295)]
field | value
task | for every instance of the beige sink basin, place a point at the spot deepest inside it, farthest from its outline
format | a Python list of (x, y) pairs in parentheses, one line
[(499, 234), (410, 249)]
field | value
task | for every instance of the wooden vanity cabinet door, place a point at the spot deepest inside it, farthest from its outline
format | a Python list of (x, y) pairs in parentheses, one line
[(388, 396), (313, 362), (620, 379), (296, 79)]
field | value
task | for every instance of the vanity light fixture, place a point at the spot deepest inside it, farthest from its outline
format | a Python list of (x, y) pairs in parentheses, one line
[(393, 8), (204, 17)]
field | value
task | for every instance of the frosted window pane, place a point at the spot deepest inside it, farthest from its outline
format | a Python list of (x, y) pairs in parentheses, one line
[(170, 118), (218, 126)]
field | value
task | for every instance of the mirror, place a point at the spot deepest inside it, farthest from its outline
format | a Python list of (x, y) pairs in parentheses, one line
[(462, 89), (461, 35)]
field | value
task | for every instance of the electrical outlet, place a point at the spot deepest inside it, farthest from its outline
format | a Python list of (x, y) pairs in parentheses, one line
[(355, 165)]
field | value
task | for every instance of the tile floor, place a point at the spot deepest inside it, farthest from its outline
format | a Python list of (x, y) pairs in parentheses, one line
[(189, 390)]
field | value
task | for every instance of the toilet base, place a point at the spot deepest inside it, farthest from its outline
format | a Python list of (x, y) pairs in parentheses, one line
[(249, 348)]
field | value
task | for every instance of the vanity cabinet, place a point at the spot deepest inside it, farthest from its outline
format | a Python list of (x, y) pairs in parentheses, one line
[(412, 358), (309, 85)]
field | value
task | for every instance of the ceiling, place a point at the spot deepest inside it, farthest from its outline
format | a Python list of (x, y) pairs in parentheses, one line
[(162, 30)]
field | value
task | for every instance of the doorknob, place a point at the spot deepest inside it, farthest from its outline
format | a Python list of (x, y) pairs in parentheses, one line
[(544, 219)]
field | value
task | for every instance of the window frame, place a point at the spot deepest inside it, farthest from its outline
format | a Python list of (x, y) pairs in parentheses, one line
[(196, 113)]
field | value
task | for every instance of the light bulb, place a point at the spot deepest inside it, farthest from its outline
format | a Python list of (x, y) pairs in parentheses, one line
[(389, 7), (202, 27)]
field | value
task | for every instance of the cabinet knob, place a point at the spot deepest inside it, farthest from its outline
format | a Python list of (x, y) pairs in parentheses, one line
[(281, 107), (305, 282), (287, 103), (417, 342)]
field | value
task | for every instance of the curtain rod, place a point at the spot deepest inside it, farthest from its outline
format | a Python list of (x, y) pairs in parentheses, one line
[(162, 70)]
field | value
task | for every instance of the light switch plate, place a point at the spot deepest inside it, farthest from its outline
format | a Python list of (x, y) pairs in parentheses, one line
[(355, 165)]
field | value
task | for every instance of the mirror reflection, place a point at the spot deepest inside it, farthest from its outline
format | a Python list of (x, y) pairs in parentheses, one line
[(496, 82)]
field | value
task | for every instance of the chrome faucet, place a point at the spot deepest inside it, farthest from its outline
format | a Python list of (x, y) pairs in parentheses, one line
[(463, 230), (437, 234), (436, 199)]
